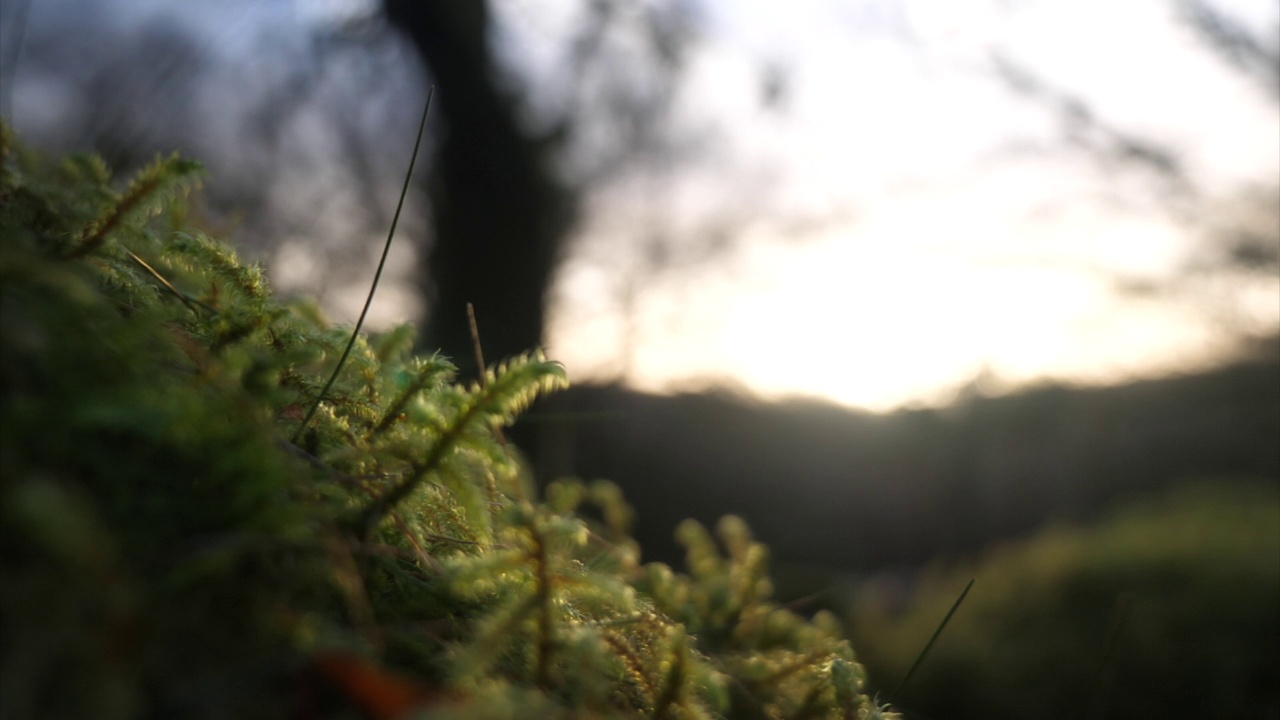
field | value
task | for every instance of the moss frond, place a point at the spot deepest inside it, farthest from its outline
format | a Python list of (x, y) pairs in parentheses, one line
[(171, 553), (149, 194)]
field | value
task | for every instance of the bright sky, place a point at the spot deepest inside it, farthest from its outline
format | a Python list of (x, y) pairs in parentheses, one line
[(903, 224), (942, 254)]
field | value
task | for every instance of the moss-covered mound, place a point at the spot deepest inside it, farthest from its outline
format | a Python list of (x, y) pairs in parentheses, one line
[(177, 545), (1169, 608)]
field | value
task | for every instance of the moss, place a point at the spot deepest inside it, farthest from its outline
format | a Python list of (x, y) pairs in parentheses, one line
[(170, 552)]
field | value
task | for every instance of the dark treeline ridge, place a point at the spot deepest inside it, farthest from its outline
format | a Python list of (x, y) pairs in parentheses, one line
[(857, 492)]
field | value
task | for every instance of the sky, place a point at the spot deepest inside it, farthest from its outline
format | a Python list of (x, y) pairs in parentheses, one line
[(903, 225), (961, 242)]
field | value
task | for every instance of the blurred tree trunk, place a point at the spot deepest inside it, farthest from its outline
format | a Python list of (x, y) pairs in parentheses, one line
[(499, 210)]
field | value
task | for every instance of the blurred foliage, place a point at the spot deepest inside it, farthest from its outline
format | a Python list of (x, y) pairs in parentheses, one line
[(168, 553), (1168, 608), (849, 491)]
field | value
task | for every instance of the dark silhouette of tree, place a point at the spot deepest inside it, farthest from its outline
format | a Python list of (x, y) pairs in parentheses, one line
[(506, 175), (499, 209), (504, 189)]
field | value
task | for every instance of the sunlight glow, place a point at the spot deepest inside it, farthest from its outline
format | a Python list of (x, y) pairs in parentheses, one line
[(961, 237)]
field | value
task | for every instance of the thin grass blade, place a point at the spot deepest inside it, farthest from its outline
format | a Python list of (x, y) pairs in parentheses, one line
[(386, 248)]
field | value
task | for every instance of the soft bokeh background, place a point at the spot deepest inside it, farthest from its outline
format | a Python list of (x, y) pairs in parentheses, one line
[(895, 198), (899, 282)]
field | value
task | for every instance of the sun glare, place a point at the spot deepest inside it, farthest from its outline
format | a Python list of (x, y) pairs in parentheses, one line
[(960, 239), (904, 306)]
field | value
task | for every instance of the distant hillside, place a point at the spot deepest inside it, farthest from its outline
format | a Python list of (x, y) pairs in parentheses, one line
[(858, 491)]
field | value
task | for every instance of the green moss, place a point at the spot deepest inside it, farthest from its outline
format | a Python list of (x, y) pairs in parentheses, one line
[(168, 552)]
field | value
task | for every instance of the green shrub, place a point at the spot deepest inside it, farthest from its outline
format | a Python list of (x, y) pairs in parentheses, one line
[(169, 552), (1167, 609)]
